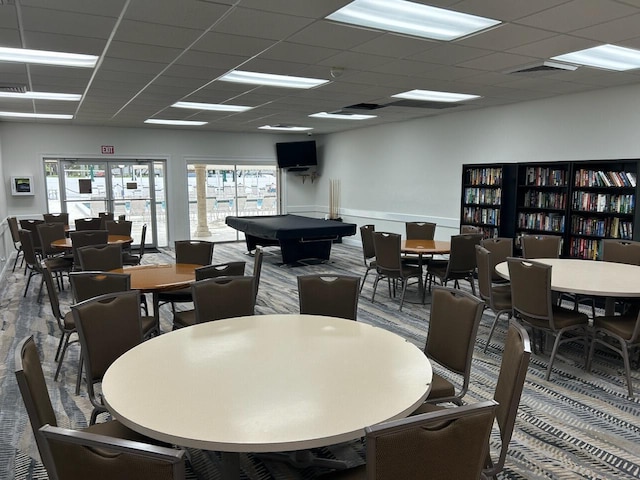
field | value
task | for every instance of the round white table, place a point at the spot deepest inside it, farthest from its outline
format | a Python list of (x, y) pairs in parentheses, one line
[(589, 277), (266, 383)]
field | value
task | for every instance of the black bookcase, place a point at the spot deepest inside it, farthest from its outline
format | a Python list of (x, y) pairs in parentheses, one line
[(488, 198)]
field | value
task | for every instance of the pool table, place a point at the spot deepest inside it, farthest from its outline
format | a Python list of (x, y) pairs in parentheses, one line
[(299, 237)]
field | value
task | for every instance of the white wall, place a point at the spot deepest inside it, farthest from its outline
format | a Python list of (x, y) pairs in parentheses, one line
[(23, 146), (412, 170)]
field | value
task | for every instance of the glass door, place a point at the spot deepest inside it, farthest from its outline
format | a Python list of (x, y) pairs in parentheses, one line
[(218, 191), (134, 188)]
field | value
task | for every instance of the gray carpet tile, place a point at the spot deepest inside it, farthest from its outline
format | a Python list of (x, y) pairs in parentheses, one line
[(577, 425)]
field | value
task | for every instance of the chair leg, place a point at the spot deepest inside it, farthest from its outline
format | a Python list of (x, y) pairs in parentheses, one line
[(79, 377), (404, 289), (493, 327), (59, 348), (61, 357), (553, 355), (364, 279), (627, 367), (375, 286)]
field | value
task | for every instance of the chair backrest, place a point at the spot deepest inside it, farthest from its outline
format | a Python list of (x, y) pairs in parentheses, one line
[(621, 251), (77, 455), (122, 217), (90, 223), (388, 253), (100, 257), (463, 252), (447, 444), (483, 262), (198, 252), (233, 269), (500, 248), (420, 230), (257, 267), (541, 246), (85, 238), (53, 293), (108, 326), (513, 373), (368, 248), (49, 232), (453, 327), (86, 285), (119, 227), (531, 289), (33, 388), (56, 218), (13, 227), (28, 249), (143, 239), (32, 226), (329, 295), (224, 297)]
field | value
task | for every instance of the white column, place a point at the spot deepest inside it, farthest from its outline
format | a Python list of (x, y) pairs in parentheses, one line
[(201, 201)]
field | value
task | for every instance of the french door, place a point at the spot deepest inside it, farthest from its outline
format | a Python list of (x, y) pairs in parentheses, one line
[(134, 188)]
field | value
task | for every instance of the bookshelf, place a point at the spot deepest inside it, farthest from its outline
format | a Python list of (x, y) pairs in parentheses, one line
[(488, 198), (602, 205), (542, 199)]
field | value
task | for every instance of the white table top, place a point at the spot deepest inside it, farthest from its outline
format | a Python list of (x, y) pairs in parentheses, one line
[(589, 277), (266, 383)]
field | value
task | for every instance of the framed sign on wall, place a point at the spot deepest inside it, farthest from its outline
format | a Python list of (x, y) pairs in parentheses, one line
[(22, 185)]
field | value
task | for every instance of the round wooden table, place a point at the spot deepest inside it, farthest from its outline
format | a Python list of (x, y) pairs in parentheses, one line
[(66, 243), (266, 383), (425, 247)]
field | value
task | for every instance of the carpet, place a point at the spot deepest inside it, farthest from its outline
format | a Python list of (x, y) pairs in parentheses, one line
[(577, 425)]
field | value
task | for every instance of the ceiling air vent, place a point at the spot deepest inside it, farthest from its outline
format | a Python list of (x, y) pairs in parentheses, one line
[(13, 88), (543, 68), (365, 106)]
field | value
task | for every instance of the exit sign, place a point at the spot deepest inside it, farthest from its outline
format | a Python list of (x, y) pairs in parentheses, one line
[(108, 149)]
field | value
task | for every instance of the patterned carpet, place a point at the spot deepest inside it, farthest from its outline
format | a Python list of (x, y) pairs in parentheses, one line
[(576, 425)]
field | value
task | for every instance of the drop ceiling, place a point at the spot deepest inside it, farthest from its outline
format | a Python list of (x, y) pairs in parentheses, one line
[(156, 52)]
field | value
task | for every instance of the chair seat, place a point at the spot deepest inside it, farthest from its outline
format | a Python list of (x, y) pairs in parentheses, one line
[(130, 259), (184, 318), (69, 322), (182, 295), (148, 324), (440, 388), (411, 271), (622, 326), (562, 318), (59, 263), (427, 408)]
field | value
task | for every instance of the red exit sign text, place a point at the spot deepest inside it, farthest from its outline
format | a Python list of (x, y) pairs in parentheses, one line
[(108, 149)]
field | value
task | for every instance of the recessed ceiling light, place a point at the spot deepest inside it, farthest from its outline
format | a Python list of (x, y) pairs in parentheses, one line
[(609, 57), (216, 107), (433, 96), (271, 80), (411, 19), (158, 121), (23, 55), (54, 116), (342, 116), (68, 97), (288, 128)]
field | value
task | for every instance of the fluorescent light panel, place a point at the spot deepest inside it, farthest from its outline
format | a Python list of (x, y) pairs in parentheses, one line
[(411, 19), (609, 57), (287, 128), (216, 107), (44, 57), (158, 121), (54, 116), (433, 96), (342, 116), (66, 97), (271, 80)]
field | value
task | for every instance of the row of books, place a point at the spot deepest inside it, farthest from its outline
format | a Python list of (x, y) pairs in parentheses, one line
[(601, 178), (545, 176), (603, 202), (538, 199), (612, 227), (487, 232), (488, 216), (585, 248), (484, 176), (548, 222), (487, 196)]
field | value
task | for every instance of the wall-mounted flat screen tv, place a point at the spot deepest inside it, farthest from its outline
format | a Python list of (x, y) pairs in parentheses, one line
[(296, 155)]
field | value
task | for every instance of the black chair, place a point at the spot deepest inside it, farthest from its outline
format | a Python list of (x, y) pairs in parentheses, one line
[(90, 223), (31, 258), (56, 218), (368, 250), (32, 226), (85, 238), (129, 258), (329, 295), (15, 237), (461, 264)]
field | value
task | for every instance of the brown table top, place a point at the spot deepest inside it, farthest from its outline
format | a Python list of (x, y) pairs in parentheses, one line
[(160, 277), (66, 242), (425, 247)]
